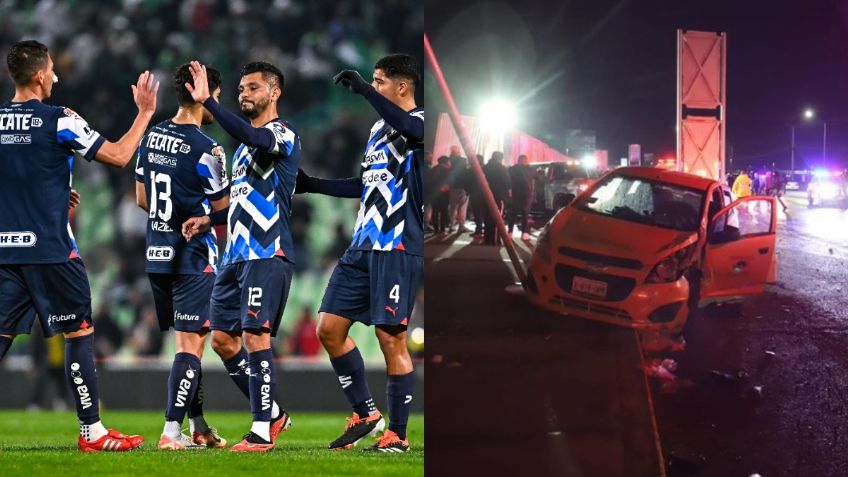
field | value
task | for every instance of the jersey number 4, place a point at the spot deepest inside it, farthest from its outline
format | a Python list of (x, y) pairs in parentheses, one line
[(164, 196)]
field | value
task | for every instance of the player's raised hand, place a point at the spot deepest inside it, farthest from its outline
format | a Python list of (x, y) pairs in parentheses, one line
[(200, 89), (196, 225), (144, 92), (353, 81), (75, 199)]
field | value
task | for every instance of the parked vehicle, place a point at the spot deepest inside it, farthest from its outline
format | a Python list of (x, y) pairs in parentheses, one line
[(556, 180)]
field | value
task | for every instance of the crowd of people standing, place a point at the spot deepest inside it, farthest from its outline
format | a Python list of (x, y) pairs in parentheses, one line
[(454, 196)]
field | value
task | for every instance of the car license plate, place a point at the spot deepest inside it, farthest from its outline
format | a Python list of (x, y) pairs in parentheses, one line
[(589, 287)]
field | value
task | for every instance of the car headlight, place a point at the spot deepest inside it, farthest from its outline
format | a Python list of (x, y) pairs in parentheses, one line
[(671, 268)]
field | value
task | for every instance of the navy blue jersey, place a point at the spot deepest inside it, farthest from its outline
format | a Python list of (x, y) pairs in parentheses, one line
[(260, 198), (391, 206), (182, 170), (37, 146)]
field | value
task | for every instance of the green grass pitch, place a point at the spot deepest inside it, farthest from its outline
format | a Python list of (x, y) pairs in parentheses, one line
[(34, 444)]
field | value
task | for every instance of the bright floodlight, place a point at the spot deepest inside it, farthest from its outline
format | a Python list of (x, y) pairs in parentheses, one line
[(589, 161), (497, 116), (809, 113)]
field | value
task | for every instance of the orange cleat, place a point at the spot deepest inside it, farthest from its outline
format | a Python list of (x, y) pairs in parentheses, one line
[(389, 442), (280, 424), (252, 443)]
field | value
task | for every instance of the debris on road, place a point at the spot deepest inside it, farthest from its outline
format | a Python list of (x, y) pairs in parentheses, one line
[(722, 376), (437, 359), (661, 369), (758, 390), (770, 353)]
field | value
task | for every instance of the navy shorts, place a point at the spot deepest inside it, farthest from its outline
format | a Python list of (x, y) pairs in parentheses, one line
[(251, 295), (182, 301), (57, 293), (374, 287)]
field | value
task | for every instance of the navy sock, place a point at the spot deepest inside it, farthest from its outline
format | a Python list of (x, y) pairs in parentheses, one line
[(237, 369), (182, 385), (263, 376), (351, 372), (82, 377), (195, 409), (399, 393), (5, 343)]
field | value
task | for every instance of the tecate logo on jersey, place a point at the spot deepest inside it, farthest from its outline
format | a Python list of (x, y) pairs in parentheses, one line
[(15, 139), (165, 143), (17, 122), (376, 176), (17, 239), (160, 254)]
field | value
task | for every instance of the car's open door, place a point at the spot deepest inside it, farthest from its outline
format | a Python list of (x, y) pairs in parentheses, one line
[(739, 255)]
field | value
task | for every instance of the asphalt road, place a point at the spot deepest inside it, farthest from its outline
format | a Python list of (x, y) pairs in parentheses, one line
[(763, 385), (742, 410)]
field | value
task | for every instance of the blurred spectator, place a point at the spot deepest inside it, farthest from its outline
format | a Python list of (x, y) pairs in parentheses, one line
[(522, 181), (303, 338), (146, 339), (441, 195), (498, 179), (458, 203), (427, 182), (476, 197), (109, 337)]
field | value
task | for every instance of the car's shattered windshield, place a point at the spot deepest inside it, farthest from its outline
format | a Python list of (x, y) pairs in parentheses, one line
[(646, 202)]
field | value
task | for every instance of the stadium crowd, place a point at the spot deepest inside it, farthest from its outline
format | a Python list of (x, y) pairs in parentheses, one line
[(100, 48)]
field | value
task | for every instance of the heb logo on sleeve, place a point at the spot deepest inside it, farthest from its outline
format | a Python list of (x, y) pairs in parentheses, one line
[(17, 239), (160, 253)]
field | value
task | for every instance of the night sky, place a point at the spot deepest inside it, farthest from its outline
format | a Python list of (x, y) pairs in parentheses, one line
[(611, 67)]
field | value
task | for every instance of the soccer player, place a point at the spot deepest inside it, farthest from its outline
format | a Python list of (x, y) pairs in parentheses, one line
[(253, 284), (41, 272), (180, 173), (376, 279)]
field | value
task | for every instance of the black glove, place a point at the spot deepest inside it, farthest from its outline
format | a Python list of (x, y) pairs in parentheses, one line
[(353, 81), (304, 183)]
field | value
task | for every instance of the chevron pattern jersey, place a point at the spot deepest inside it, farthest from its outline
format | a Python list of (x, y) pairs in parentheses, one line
[(260, 198), (391, 206)]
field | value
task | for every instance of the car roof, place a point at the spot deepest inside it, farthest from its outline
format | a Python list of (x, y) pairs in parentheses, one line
[(664, 175)]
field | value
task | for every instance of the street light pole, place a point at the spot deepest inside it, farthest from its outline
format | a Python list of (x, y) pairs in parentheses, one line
[(824, 144), (792, 152)]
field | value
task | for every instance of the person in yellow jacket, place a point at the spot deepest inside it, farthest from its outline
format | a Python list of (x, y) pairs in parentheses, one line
[(742, 185)]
